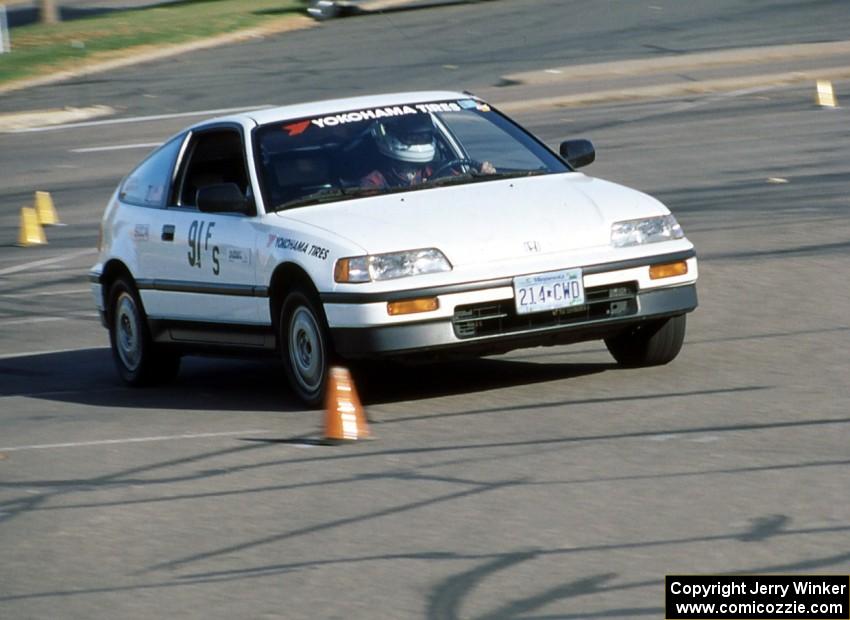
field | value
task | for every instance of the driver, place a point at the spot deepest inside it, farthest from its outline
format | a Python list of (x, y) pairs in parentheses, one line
[(408, 147)]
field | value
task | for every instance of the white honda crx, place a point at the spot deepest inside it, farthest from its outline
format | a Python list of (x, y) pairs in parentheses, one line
[(419, 224)]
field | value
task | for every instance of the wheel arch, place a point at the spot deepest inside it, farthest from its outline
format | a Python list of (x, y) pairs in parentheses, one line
[(286, 277), (112, 271)]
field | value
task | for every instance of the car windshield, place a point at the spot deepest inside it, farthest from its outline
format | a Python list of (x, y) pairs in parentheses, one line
[(382, 150)]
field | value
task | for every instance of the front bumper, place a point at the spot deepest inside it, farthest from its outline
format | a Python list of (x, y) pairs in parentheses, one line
[(440, 336)]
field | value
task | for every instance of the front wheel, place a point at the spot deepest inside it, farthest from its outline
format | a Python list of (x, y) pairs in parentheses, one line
[(137, 359), (304, 347), (652, 343)]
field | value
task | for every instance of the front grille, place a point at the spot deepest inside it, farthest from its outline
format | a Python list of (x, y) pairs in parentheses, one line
[(500, 317)]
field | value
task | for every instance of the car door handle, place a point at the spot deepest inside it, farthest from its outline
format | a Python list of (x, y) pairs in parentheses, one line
[(168, 232)]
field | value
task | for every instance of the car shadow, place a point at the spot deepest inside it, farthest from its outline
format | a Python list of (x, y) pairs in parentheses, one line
[(386, 382), (87, 377)]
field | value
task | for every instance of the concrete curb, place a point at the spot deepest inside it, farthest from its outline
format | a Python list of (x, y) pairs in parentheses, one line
[(36, 118), (148, 54), (683, 62), (674, 90)]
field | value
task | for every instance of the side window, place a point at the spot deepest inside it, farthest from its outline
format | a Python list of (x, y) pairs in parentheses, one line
[(147, 185), (214, 157)]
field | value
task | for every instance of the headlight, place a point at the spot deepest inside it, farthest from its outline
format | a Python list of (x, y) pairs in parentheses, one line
[(391, 266), (646, 230)]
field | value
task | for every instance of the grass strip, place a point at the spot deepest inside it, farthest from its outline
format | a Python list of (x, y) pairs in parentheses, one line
[(42, 49)]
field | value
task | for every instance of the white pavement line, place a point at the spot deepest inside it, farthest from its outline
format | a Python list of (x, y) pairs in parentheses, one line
[(111, 442), (71, 316), (46, 261), (142, 119), (116, 147), (35, 319), (11, 356), (71, 291)]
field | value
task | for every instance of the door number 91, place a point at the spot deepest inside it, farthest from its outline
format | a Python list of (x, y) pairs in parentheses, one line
[(200, 233)]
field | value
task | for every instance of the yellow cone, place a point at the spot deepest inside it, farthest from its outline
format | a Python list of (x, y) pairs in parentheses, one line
[(825, 96), (44, 208), (31, 231)]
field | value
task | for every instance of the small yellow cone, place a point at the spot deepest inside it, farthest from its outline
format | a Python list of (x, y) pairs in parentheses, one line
[(47, 215), (31, 232), (345, 419), (825, 96)]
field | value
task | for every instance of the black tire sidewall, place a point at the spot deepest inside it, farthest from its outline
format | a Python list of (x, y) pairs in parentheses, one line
[(130, 376), (294, 300), (651, 344)]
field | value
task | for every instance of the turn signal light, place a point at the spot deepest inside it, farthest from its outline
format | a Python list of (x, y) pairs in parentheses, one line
[(668, 270), (341, 271), (412, 306)]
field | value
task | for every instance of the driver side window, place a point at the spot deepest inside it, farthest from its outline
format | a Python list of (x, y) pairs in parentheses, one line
[(213, 157)]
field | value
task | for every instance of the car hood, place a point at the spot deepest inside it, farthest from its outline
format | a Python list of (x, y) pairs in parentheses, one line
[(486, 221)]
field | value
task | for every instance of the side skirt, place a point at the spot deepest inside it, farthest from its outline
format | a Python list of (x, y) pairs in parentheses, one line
[(205, 337)]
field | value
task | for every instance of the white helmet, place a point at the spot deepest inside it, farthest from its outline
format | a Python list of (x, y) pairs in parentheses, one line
[(408, 138)]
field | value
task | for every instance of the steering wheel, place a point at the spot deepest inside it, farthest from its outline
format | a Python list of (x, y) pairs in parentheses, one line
[(453, 164)]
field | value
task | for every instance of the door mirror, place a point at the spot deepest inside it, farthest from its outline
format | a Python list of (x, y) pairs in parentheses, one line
[(221, 198), (578, 153)]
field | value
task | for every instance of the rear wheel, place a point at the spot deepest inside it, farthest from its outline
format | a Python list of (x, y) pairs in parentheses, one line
[(137, 359), (304, 347), (652, 343)]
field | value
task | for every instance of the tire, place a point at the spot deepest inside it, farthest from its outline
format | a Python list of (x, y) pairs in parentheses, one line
[(138, 360), (653, 343), (305, 347)]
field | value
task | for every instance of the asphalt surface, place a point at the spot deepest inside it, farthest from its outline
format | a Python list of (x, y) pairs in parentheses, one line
[(543, 484)]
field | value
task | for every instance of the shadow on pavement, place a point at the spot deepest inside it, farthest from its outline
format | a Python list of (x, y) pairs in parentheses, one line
[(87, 377)]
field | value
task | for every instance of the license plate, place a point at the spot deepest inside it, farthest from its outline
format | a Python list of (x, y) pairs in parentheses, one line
[(552, 290)]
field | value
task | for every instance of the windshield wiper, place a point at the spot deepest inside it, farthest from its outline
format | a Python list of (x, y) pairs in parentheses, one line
[(514, 174), (477, 177), (466, 177)]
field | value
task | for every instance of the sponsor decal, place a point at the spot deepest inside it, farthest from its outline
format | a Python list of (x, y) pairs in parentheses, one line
[(472, 104), (285, 243), (296, 245), (319, 252), (357, 116), (238, 255), (141, 232), (296, 129), (154, 194)]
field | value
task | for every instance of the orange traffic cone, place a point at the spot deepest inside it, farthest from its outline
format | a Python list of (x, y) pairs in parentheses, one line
[(345, 419)]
